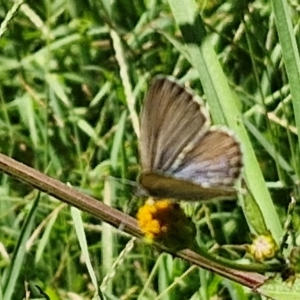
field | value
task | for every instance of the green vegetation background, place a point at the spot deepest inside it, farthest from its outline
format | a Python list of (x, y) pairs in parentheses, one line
[(72, 79)]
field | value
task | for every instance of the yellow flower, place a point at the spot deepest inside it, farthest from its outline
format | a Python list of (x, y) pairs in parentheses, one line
[(263, 247), (164, 221)]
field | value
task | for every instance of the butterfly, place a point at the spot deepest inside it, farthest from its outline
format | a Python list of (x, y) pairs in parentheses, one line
[(182, 156)]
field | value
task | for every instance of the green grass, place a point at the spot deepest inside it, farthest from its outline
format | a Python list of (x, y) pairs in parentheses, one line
[(72, 79)]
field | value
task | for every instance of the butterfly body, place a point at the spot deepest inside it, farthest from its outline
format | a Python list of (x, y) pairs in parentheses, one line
[(182, 156), (161, 186)]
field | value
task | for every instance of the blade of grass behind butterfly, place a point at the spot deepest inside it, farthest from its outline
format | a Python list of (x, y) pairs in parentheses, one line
[(109, 195), (79, 228), (10, 277), (290, 53), (223, 102)]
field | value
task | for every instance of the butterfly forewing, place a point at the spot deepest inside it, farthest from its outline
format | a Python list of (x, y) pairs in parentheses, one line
[(170, 121), (181, 156)]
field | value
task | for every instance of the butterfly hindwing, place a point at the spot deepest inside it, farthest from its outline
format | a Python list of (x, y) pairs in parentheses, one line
[(215, 161)]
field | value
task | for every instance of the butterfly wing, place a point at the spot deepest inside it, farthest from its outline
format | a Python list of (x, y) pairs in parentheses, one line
[(208, 171), (180, 156), (215, 161), (170, 121)]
